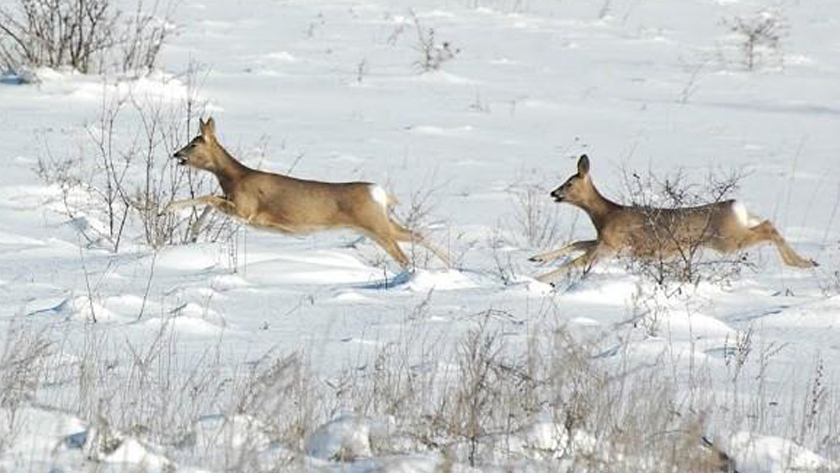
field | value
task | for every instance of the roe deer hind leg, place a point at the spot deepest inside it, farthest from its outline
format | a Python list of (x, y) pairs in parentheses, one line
[(390, 245), (582, 245), (403, 234), (379, 230), (765, 231)]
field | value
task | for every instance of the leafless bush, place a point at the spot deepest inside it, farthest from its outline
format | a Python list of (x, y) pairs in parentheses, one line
[(22, 355), (695, 73), (504, 258), (21, 362), (131, 178), (483, 410), (831, 284), (433, 54), (655, 196), (535, 216), (476, 394), (143, 36), (760, 36), (271, 382), (416, 214), (546, 403), (91, 36), (362, 69)]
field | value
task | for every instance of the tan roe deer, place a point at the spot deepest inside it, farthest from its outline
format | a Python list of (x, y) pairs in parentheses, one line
[(646, 233), (289, 205)]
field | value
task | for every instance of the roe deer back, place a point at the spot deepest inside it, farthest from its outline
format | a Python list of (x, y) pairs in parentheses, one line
[(646, 233), (290, 205)]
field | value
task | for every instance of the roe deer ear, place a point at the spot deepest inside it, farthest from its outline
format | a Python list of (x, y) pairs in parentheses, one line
[(583, 165), (211, 126), (207, 128)]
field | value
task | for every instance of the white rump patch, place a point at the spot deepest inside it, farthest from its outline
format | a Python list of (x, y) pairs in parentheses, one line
[(743, 216), (379, 195)]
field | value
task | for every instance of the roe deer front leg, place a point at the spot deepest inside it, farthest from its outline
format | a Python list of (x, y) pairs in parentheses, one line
[(219, 203), (583, 245), (586, 260)]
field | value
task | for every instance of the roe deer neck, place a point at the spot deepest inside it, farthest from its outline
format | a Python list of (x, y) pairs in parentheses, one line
[(597, 207), (228, 170)]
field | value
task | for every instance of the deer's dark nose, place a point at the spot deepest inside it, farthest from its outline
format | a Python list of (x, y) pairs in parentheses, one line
[(181, 157)]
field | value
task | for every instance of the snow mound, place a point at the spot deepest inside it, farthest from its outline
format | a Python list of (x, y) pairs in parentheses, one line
[(440, 131), (544, 437), (111, 447), (281, 56), (236, 432), (196, 311), (603, 290), (754, 453), (424, 280), (132, 452), (186, 325), (78, 308), (226, 282), (346, 437), (442, 280), (37, 432), (43, 436), (83, 87), (441, 77), (399, 464), (188, 258), (346, 296), (14, 239)]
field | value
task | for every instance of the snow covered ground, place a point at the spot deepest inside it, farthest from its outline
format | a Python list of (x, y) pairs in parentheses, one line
[(266, 352)]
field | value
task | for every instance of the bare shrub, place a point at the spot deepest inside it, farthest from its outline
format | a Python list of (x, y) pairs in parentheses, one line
[(535, 216), (656, 196), (196, 406), (22, 355), (532, 222), (760, 36), (830, 285), (476, 394), (362, 70), (433, 54), (122, 173), (91, 36), (482, 410), (271, 382), (504, 259), (143, 36), (695, 73), (23, 352), (417, 215), (543, 403)]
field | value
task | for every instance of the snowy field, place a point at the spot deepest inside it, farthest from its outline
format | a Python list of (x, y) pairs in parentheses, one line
[(264, 352)]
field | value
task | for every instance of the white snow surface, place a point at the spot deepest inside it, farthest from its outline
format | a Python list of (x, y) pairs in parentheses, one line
[(333, 89)]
